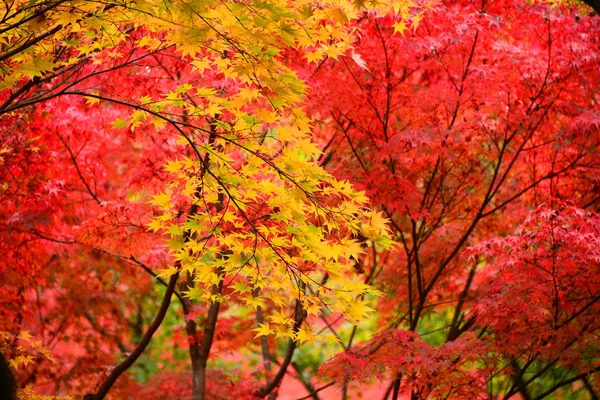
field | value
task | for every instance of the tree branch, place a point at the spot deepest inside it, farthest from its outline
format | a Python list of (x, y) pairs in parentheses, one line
[(567, 382), (299, 318), (137, 352)]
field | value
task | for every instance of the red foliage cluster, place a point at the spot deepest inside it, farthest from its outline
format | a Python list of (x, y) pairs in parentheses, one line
[(458, 129)]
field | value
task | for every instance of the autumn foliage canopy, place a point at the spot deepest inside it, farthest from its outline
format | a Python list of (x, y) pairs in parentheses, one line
[(303, 199)]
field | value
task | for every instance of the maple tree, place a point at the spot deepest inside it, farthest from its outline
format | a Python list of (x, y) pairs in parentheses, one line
[(458, 129), (184, 181)]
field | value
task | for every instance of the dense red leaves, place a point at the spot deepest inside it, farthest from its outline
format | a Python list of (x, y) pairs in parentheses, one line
[(72, 227), (435, 371), (543, 300), (458, 130)]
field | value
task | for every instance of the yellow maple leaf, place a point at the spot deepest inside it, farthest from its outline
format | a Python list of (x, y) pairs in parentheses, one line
[(25, 335), (400, 27), (162, 200), (263, 330), (314, 56), (415, 21), (305, 334)]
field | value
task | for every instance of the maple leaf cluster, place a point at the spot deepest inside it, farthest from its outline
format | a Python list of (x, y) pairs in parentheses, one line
[(482, 119)]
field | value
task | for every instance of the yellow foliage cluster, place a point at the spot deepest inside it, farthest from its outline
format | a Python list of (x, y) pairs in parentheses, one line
[(24, 351), (259, 213)]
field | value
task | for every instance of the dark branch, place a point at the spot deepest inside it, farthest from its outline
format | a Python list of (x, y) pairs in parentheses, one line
[(137, 352)]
